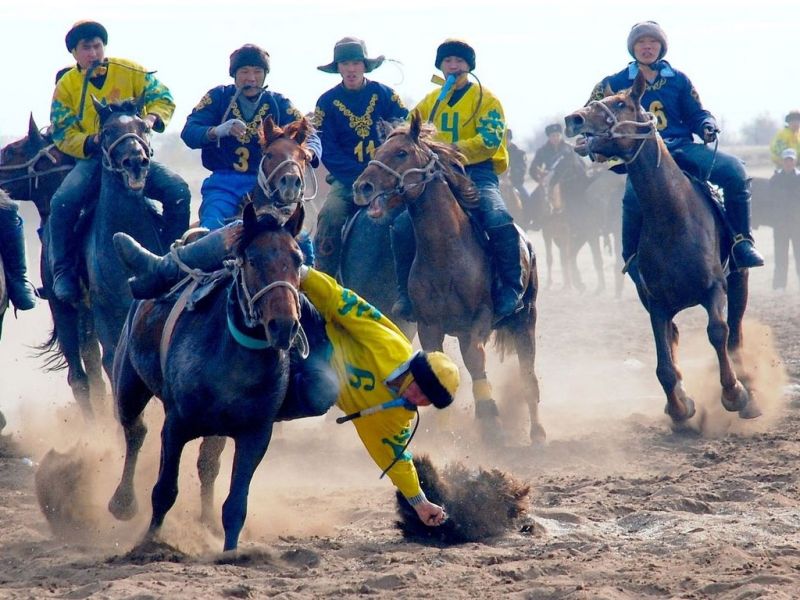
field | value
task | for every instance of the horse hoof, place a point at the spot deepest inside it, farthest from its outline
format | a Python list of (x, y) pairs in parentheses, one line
[(678, 418), (538, 435), (750, 411), (737, 399), (123, 506)]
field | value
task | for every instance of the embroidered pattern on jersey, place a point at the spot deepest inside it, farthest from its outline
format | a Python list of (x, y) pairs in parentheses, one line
[(362, 124)]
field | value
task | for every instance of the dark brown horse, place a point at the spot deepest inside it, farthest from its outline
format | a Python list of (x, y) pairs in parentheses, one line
[(31, 169), (680, 250), (225, 371), (450, 280)]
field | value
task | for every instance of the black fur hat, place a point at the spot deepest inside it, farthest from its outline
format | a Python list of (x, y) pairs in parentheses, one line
[(85, 30), (454, 47), (249, 55)]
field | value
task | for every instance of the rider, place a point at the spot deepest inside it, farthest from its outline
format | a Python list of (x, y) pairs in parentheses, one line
[(373, 360), (673, 100), (517, 165), (226, 124), (75, 129), (788, 137), (470, 117), (12, 250), (553, 150), (348, 116), (785, 190)]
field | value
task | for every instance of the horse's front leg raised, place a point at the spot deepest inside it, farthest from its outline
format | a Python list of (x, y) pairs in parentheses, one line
[(734, 395), (250, 449), (207, 469), (486, 411), (680, 407)]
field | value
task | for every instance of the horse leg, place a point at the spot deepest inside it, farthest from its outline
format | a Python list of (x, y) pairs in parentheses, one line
[(66, 327), (680, 407), (92, 361), (132, 395), (597, 260), (525, 343), (250, 449), (734, 395), (208, 469), (165, 490), (486, 411), (548, 255)]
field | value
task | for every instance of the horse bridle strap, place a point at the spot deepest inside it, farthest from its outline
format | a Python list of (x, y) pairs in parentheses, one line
[(265, 181), (429, 172), (108, 162), (30, 166), (615, 124)]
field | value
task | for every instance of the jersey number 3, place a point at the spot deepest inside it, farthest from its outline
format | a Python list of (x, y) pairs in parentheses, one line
[(244, 156)]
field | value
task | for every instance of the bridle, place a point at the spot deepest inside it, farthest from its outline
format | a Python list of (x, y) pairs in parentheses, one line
[(614, 133), (108, 161), (429, 172), (265, 181), (31, 174)]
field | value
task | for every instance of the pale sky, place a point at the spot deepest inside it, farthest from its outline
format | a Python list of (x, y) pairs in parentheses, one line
[(540, 59)]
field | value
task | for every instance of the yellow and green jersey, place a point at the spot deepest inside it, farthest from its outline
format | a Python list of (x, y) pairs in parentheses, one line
[(785, 138)]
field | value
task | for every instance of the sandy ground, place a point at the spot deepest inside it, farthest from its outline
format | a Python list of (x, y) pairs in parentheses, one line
[(621, 507)]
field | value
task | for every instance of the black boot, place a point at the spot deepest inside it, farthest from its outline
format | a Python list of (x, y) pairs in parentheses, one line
[(154, 275), (743, 251), (12, 249), (404, 249), (509, 276)]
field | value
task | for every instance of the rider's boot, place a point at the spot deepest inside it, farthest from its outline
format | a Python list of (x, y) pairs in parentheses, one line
[(12, 249), (403, 249), (744, 252), (509, 276), (63, 256), (154, 275)]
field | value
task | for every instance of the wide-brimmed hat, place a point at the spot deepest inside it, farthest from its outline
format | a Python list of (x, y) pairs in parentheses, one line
[(85, 30), (649, 28), (793, 115), (351, 48)]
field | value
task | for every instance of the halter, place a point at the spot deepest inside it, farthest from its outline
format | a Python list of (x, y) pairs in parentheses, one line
[(615, 124), (108, 162), (265, 181), (429, 172), (32, 175), (247, 304)]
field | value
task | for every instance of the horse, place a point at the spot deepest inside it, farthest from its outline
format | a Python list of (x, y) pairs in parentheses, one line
[(33, 168), (4, 200), (210, 382), (682, 245), (450, 280)]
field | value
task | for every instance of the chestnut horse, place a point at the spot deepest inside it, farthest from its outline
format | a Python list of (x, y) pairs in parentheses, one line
[(451, 277), (682, 246)]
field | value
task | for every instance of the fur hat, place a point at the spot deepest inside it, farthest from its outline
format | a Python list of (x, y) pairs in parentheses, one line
[(351, 48), (652, 29), (85, 30), (249, 55), (553, 128), (436, 375), (454, 47), (793, 115)]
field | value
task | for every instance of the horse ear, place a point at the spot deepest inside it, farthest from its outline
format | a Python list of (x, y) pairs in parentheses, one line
[(301, 131), (35, 138), (295, 223), (639, 86), (103, 110), (416, 125), (249, 216), (269, 128)]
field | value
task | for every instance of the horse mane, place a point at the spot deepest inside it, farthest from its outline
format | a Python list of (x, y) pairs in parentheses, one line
[(129, 106), (451, 159)]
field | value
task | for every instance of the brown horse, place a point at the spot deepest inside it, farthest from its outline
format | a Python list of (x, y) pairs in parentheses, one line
[(681, 246), (450, 281)]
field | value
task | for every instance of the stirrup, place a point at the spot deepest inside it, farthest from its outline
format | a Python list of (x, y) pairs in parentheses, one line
[(628, 262)]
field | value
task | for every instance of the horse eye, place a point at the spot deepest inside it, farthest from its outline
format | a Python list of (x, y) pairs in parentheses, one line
[(402, 154), (620, 104)]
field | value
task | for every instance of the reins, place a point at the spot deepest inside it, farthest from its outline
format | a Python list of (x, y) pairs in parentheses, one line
[(615, 124), (32, 175), (265, 181), (429, 172)]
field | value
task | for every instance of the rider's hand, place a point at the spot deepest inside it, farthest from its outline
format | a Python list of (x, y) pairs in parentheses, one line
[(234, 127), (710, 132), (429, 513), (150, 120)]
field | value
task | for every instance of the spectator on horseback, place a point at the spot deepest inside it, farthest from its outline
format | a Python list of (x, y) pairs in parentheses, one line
[(785, 191), (788, 137), (471, 118), (382, 381), (517, 165), (225, 126), (550, 153), (673, 101), (75, 129), (348, 118), (12, 251)]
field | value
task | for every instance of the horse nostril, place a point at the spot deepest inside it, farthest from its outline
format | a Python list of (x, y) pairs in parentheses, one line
[(365, 188)]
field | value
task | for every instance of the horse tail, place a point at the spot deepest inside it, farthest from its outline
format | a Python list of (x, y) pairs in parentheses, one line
[(50, 352)]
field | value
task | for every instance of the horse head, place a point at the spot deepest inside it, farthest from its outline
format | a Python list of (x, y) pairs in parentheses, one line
[(123, 141), (616, 126), (404, 164), (24, 162), (281, 174), (269, 275)]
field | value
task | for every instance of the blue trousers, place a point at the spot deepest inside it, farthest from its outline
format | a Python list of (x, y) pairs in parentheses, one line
[(222, 195)]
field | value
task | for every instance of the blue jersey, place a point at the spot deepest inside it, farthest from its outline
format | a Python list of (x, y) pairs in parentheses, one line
[(230, 153), (671, 97), (348, 124)]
